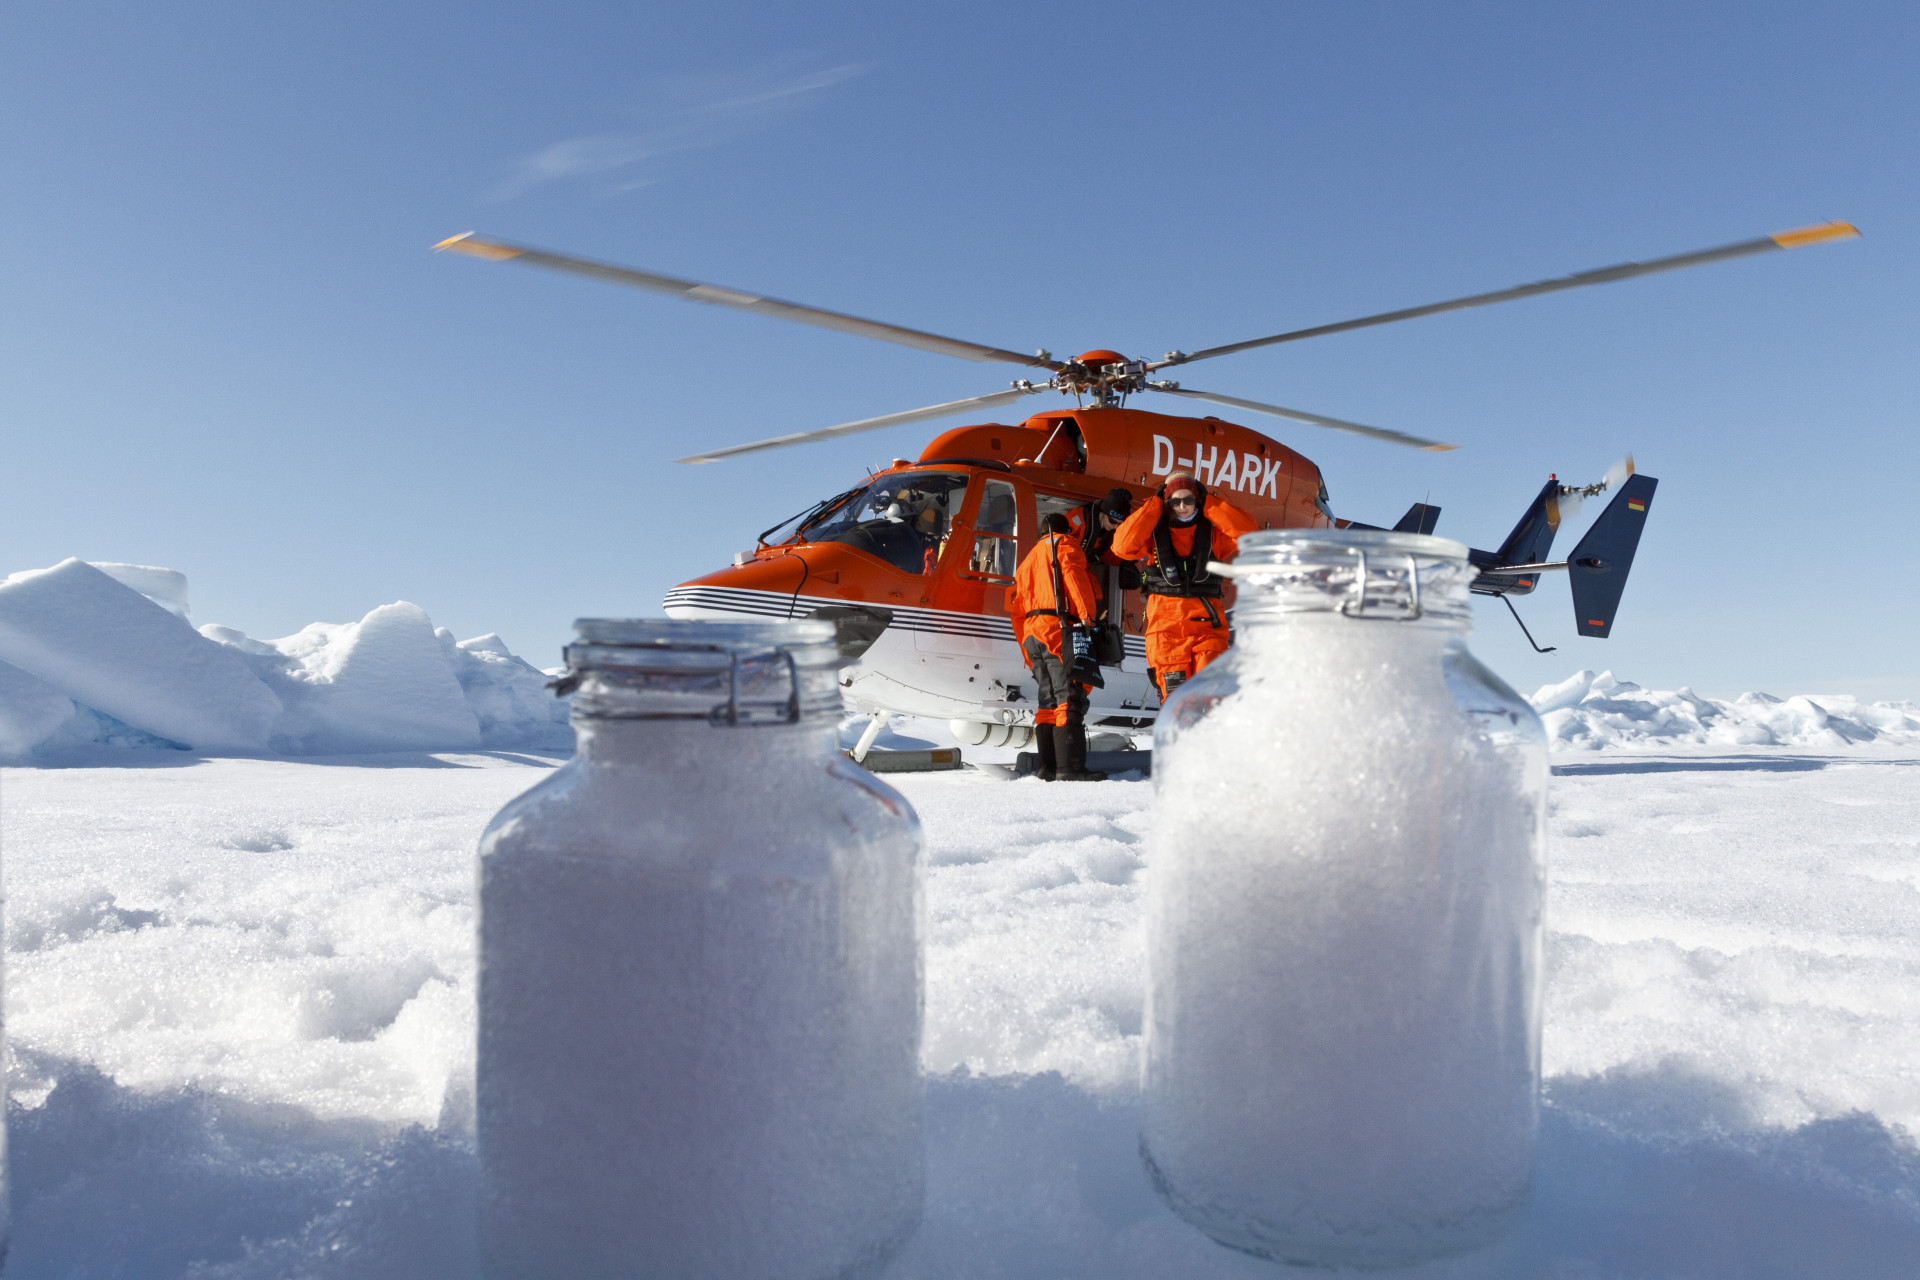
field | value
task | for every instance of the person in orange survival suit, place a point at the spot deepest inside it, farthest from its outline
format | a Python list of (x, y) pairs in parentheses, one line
[(1176, 533), (1041, 619)]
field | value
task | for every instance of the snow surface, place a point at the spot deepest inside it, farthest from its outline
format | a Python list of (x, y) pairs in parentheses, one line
[(106, 654), (239, 995)]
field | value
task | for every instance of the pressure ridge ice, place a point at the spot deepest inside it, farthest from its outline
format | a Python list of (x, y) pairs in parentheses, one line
[(1592, 712), (107, 655)]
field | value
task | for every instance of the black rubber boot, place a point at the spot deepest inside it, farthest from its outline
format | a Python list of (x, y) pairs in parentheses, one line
[(1071, 746), (1043, 742)]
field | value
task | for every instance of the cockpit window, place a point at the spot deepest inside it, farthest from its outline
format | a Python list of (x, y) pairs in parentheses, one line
[(903, 518)]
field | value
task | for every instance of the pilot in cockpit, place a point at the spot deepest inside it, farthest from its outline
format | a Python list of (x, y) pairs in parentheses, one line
[(926, 514)]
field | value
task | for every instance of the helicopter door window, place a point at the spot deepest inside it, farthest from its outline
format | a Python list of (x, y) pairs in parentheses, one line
[(1047, 504), (903, 518), (995, 545)]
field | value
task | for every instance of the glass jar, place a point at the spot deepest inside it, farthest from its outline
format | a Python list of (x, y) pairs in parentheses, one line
[(700, 975), (1345, 878)]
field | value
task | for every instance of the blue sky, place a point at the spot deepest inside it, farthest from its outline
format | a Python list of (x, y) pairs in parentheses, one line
[(227, 349)]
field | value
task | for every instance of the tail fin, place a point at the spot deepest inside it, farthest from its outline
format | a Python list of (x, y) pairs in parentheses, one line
[(1420, 518), (1597, 568), (1532, 538), (1529, 543)]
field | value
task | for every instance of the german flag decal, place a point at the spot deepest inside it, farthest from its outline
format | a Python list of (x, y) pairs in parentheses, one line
[(1636, 504)]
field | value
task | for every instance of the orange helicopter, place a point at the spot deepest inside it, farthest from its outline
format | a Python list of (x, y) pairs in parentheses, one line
[(914, 563)]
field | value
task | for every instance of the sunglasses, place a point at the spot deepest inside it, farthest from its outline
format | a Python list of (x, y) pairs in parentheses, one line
[(1183, 500)]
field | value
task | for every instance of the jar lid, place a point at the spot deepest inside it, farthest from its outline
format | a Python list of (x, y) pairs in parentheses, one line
[(724, 672)]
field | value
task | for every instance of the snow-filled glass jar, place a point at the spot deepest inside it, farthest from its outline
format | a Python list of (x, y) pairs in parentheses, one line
[(1345, 880), (700, 975)]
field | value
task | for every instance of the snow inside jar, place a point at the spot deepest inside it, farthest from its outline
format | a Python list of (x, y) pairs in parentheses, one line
[(1345, 880), (700, 975)]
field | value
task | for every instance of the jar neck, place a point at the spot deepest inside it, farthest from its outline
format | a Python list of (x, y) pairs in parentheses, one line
[(742, 692), (658, 690), (1366, 578), (1254, 631), (693, 745)]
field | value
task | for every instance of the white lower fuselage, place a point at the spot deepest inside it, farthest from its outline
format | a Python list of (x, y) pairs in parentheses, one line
[(935, 662)]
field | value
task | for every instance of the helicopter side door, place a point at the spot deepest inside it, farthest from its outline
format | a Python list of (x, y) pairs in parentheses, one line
[(966, 647)]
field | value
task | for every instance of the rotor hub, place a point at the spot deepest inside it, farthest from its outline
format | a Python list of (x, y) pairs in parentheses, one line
[(1104, 374)]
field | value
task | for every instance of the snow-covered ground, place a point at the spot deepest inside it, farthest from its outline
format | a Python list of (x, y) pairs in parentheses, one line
[(239, 1000), (239, 988)]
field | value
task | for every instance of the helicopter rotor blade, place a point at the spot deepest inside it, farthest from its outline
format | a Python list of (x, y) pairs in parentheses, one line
[(952, 407), (1338, 424), (693, 291), (1603, 275), (1617, 473)]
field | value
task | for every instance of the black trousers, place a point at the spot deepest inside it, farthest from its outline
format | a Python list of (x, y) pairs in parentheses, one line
[(1057, 697)]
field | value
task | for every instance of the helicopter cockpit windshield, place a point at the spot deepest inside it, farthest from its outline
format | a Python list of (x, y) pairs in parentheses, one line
[(903, 518)]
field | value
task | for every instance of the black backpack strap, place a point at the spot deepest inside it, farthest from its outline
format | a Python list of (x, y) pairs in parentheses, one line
[(1163, 555), (1063, 608)]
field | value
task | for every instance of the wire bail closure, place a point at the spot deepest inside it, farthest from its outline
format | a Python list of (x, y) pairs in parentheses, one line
[(1357, 607), (679, 681), (731, 715)]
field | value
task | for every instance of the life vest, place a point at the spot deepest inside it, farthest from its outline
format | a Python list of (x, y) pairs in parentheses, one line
[(1168, 574)]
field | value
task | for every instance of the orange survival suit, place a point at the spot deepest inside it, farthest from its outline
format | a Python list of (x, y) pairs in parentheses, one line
[(1036, 612), (1040, 622), (1186, 612)]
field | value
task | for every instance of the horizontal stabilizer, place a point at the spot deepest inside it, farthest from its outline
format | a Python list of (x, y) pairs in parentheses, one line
[(1420, 518), (1597, 568)]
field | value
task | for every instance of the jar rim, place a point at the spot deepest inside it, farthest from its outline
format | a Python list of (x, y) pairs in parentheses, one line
[(678, 633)]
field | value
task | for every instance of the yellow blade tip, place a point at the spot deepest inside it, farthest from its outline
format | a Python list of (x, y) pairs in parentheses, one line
[(1814, 235), (470, 243), (1439, 448)]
